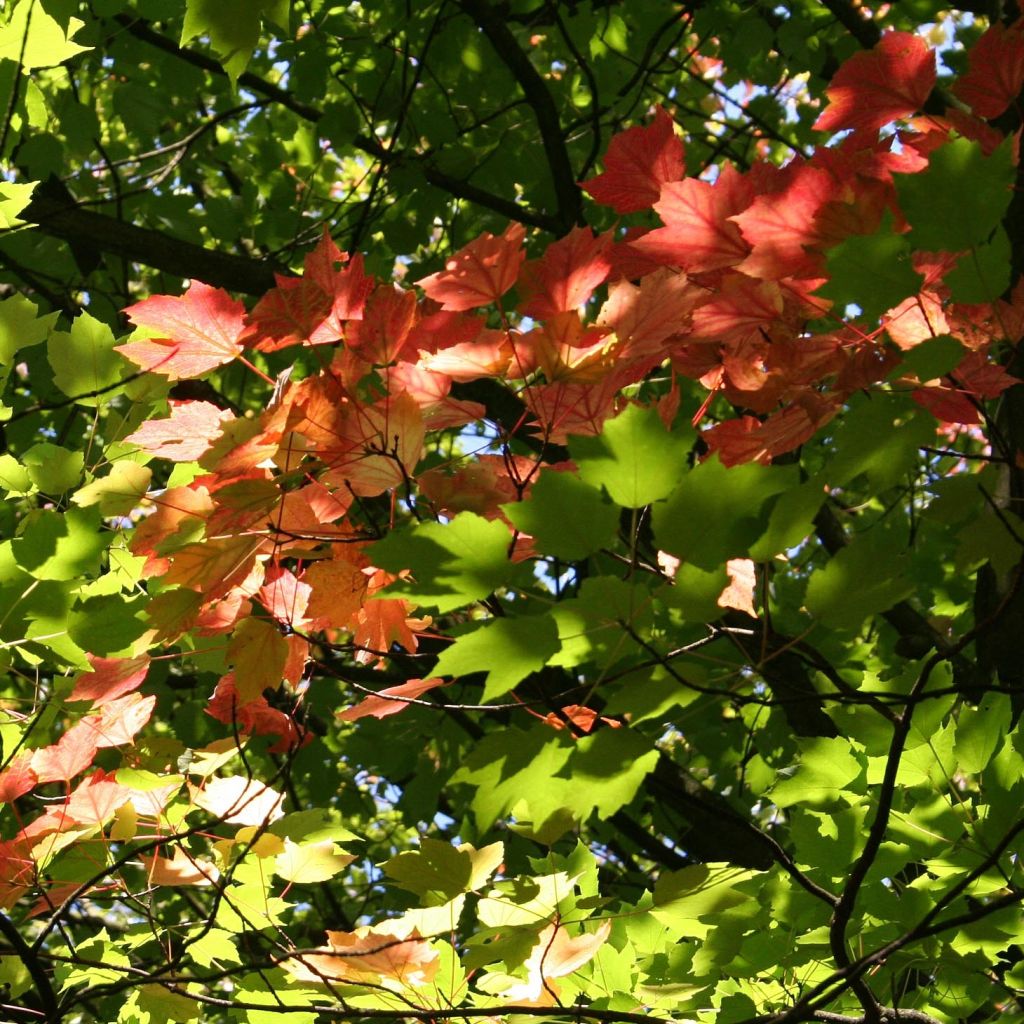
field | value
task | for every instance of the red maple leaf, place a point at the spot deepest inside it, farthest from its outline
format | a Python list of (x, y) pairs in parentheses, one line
[(638, 162), (312, 309), (875, 87), (479, 273), (566, 275), (780, 225), (698, 234), (387, 322), (739, 307), (389, 700), (995, 70), (195, 332)]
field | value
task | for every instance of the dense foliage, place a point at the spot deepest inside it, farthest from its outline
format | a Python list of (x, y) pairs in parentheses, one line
[(580, 580)]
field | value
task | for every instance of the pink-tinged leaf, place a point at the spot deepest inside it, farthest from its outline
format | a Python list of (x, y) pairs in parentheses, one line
[(564, 348), (389, 701), (285, 596), (555, 955), (431, 392), (190, 429), (479, 273), (739, 594), (566, 275), (995, 70), (388, 954), (638, 162), (110, 678), (377, 447), (568, 407), (17, 778), (179, 869), (96, 798), (438, 328), (196, 332), (947, 404), (239, 801), (698, 234), (875, 87), (118, 720), (66, 758)]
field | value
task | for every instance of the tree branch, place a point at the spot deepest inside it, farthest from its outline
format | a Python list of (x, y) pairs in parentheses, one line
[(500, 36), (456, 187), (55, 212)]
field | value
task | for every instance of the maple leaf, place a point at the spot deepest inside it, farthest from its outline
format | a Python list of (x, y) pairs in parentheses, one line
[(338, 589), (479, 273), (254, 716), (312, 309), (285, 596), (748, 439), (564, 348), (96, 798), (383, 621), (739, 594), (566, 275), (239, 801), (377, 446), (258, 652), (387, 323), (117, 721), (875, 87), (644, 316), (915, 320), (638, 162), (110, 678), (18, 778), (66, 758), (699, 234), (995, 70), (388, 954), (380, 706), (431, 392), (737, 309), (555, 955), (184, 435), (780, 225), (213, 567), (181, 868), (195, 332), (489, 354)]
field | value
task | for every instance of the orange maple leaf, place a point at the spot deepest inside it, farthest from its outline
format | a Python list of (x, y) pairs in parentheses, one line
[(479, 273)]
